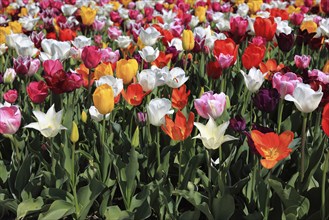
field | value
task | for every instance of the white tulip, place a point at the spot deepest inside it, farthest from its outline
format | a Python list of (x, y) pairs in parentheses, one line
[(157, 109), (149, 54), (149, 36), (254, 79)]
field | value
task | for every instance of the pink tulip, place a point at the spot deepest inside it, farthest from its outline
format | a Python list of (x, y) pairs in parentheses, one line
[(52, 66), (98, 25), (302, 62), (210, 104), (110, 56), (238, 26), (297, 18), (10, 119), (224, 60), (10, 96), (285, 84), (319, 75), (114, 33)]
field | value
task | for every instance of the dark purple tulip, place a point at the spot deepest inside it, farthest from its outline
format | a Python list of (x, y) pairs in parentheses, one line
[(174, 53), (266, 100), (238, 123), (285, 41), (22, 65), (262, 129)]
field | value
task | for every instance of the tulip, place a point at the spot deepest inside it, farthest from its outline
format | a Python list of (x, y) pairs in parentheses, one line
[(211, 135), (179, 97), (200, 12), (214, 70), (149, 54), (134, 95), (253, 56), (103, 99), (254, 79), (238, 28), (10, 119), (157, 109), (123, 41), (285, 41), (175, 78), (74, 133), (266, 100), (141, 118), (224, 60), (91, 56), (210, 104), (285, 84), (228, 49), (9, 76), (87, 15), (147, 79), (238, 124), (37, 91), (265, 27), (103, 69), (302, 62), (325, 119), (67, 34), (114, 33), (126, 70), (188, 40), (180, 129), (324, 5), (53, 50), (305, 98), (149, 36), (10, 96), (84, 117), (272, 147), (48, 124)]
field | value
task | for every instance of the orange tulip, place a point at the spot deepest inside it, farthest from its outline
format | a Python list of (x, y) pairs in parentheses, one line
[(265, 27), (162, 60), (180, 129), (270, 67), (272, 147), (134, 95), (87, 76), (179, 97)]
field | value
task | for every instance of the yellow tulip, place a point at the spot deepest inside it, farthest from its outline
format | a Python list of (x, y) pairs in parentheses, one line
[(254, 5), (126, 70), (103, 69), (103, 98), (15, 27), (87, 15), (116, 5), (74, 133), (239, 2), (84, 117), (125, 2), (310, 26), (188, 40), (23, 12), (200, 12), (3, 32)]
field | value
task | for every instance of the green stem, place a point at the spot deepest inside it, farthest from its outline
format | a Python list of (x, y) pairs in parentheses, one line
[(280, 110), (267, 201), (73, 179), (180, 163), (158, 147), (323, 187), (251, 112), (302, 162), (209, 176)]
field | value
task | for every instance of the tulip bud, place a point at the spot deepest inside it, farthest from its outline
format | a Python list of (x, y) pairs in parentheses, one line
[(84, 117), (188, 40), (74, 133), (9, 76)]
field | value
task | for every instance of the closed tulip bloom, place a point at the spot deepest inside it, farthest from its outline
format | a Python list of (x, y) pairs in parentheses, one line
[(37, 91), (10, 119), (226, 47), (305, 98), (210, 104), (188, 40), (266, 100), (10, 96), (91, 56), (126, 70), (157, 109), (285, 41), (87, 15), (147, 79), (265, 27), (179, 129), (285, 83), (253, 56), (103, 98), (200, 12), (254, 79), (325, 119), (74, 133), (302, 62), (211, 135)]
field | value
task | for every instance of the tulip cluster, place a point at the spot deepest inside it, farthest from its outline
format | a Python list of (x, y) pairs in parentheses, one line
[(167, 109)]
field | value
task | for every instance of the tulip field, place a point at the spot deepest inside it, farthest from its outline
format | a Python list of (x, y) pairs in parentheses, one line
[(164, 109)]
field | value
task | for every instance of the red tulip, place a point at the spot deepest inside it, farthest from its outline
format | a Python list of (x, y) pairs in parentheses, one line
[(265, 27), (10, 96), (179, 97), (325, 119), (226, 47), (37, 91), (134, 95), (91, 56), (67, 34), (253, 56), (52, 66)]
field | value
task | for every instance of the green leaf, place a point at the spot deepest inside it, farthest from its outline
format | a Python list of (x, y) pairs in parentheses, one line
[(55, 194), (29, 206), (293, 202), (115, 213), (87, 195), (223, 207), (23, 174), (3, 172), (57, 210)]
